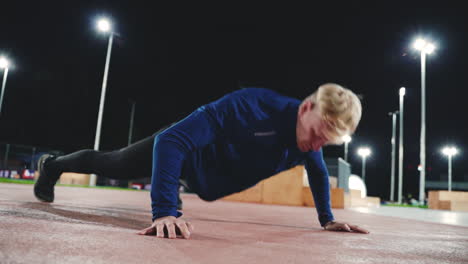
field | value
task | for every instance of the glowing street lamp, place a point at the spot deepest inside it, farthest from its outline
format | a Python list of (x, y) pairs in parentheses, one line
[(449, 152), (424, 47), (4, 64), (364, 152), (346, 140), (104, 25)]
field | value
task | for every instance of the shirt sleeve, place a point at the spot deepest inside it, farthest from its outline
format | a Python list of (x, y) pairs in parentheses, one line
[(319, 185), (170, 149)]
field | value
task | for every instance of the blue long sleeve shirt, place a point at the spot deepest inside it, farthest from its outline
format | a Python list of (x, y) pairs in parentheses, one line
[(230, 145)]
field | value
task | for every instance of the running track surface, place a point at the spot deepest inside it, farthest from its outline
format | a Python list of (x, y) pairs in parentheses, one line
[(99, 226)]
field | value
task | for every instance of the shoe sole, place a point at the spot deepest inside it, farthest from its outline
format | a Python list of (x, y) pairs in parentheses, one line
[(42, 198)]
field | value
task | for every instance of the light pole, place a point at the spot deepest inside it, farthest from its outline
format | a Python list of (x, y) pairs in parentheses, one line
[(392, 177), (103, 25), (449, 152), (364, 152), (32, 158), (4, 63), (346, 140), (424, 47), (130, 129), (400, 147)]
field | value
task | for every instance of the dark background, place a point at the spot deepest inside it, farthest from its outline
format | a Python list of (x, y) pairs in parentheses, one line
[(171, 59)]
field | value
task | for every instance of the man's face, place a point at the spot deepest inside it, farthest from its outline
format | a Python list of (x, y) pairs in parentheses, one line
[(311, 129)]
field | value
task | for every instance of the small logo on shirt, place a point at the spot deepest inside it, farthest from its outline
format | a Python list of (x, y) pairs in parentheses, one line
[(263, 134)]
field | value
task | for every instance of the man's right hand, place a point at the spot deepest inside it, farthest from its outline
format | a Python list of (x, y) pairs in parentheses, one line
[(171, 225)]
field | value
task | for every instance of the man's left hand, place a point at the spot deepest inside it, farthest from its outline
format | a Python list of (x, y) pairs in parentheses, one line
[(344, 227)]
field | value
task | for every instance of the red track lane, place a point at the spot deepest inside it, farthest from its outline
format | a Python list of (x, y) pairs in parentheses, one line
[(99, 226)]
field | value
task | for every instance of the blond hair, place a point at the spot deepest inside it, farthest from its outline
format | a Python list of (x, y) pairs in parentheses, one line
[(340, 108)]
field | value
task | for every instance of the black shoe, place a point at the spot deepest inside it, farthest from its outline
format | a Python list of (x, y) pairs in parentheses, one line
[(44, 186)]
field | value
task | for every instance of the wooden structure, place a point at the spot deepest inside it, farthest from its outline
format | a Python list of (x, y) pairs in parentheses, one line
[(290, 188), (445, 200)]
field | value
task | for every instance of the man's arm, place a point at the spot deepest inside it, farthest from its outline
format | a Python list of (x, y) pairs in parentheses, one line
[(170, 150), (319, 185)]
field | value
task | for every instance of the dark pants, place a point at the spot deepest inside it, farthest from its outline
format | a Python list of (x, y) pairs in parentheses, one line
[(131, 162), (128, 163)]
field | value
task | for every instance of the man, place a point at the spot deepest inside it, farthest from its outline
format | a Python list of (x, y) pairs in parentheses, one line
[(225, 147)]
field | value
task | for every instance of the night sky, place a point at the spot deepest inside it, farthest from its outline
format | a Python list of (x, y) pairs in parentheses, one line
[(171, 59)]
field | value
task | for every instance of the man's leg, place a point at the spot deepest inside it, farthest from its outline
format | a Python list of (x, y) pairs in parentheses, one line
[(134, 161)]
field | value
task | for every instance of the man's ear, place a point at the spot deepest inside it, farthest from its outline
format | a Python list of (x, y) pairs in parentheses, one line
[(305, 107)]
